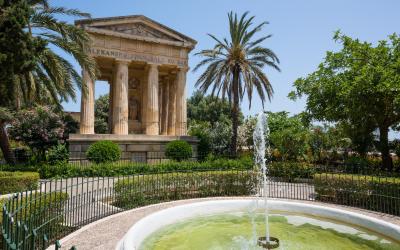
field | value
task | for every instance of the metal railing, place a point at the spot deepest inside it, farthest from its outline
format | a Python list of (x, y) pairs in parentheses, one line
[(36, 219)]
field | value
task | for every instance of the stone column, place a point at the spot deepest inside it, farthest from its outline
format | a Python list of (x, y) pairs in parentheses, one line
[(181, 115), (120, 99), (171, 107), (143, 117), (87, 105), (152, 116), (110, 106), (160, 102), (165, 103)]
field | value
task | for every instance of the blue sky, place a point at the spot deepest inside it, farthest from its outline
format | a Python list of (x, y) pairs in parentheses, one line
[(302, 31)]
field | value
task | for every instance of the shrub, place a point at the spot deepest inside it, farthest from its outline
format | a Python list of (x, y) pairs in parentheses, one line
[(57, 154), (369, 192), (103, 151), (149, 189), (178, 150), (356, 164), (290, 171), (204, 145), (12, 182)]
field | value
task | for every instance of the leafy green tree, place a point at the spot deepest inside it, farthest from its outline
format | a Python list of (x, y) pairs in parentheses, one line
[(234, 67), (358, 85), (360, 135), (101, 107), (204, 145), (206, 108), (18, 55), (288, 135), (71, 126), (217, 136)]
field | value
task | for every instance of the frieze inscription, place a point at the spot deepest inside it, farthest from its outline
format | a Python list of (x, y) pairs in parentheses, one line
[(135, 56)]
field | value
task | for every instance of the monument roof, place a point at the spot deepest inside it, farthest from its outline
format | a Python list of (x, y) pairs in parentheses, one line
[(136, 27)]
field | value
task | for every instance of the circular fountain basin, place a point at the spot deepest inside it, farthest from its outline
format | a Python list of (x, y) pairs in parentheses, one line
[(223, 224)]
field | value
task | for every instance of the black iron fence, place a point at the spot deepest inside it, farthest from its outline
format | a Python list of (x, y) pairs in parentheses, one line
[(35, 219)]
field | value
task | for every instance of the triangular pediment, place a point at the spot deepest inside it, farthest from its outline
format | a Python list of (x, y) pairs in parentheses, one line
[(138, 29), (134, 27)]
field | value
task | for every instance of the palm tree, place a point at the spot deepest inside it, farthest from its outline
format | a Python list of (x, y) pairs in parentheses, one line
[(53, 79), (234, 67)]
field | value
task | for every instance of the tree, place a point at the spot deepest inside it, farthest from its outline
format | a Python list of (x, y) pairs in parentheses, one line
[(216, 136), (234, 67), (101, 107), (71, 126), (39, 128), (245, 133), (43, 77), (358, 85), (206, 108), (18, 55), (288, 135), (209, 119)]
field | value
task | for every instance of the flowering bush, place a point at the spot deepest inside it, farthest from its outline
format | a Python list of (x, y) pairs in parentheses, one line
[(39, 128)]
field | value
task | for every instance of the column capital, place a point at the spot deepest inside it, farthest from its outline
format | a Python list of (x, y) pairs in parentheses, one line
[(122, 61), (152, 65), (183, 68)]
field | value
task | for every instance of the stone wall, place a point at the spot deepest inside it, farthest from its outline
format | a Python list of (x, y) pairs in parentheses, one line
[(137, 148)]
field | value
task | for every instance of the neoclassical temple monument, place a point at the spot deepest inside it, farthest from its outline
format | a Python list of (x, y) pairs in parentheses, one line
[(145, 64)]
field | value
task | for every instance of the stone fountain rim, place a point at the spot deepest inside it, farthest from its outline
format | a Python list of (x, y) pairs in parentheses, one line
[(151, 223)]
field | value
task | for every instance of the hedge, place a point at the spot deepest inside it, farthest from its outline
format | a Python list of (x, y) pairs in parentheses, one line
[(143, 190), (291, 171), (131, 168), (13, 182), (380, 194)]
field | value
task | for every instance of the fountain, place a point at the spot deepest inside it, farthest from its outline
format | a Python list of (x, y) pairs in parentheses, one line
[(238, 223), (261, 132)]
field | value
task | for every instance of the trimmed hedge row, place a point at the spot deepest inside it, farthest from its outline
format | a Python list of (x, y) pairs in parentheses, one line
[(380, 194), (154, 188), (130, 168), (13, 182)]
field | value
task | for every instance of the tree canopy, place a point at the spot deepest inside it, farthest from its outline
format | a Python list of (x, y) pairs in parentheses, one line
[(101, 108), (358, 85)]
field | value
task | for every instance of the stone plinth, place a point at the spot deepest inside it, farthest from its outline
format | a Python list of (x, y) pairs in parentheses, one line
[(136, 148)]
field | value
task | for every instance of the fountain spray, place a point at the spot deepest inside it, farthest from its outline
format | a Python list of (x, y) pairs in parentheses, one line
[(261, 132)]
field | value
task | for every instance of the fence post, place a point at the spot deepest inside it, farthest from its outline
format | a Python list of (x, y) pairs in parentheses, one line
[(57, 245), (45, 240)]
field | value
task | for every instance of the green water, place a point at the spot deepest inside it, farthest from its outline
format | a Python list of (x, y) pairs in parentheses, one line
[(234, 231)]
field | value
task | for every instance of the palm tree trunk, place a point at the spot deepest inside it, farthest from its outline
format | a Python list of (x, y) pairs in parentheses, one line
[(235, 112), (5, 144)]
